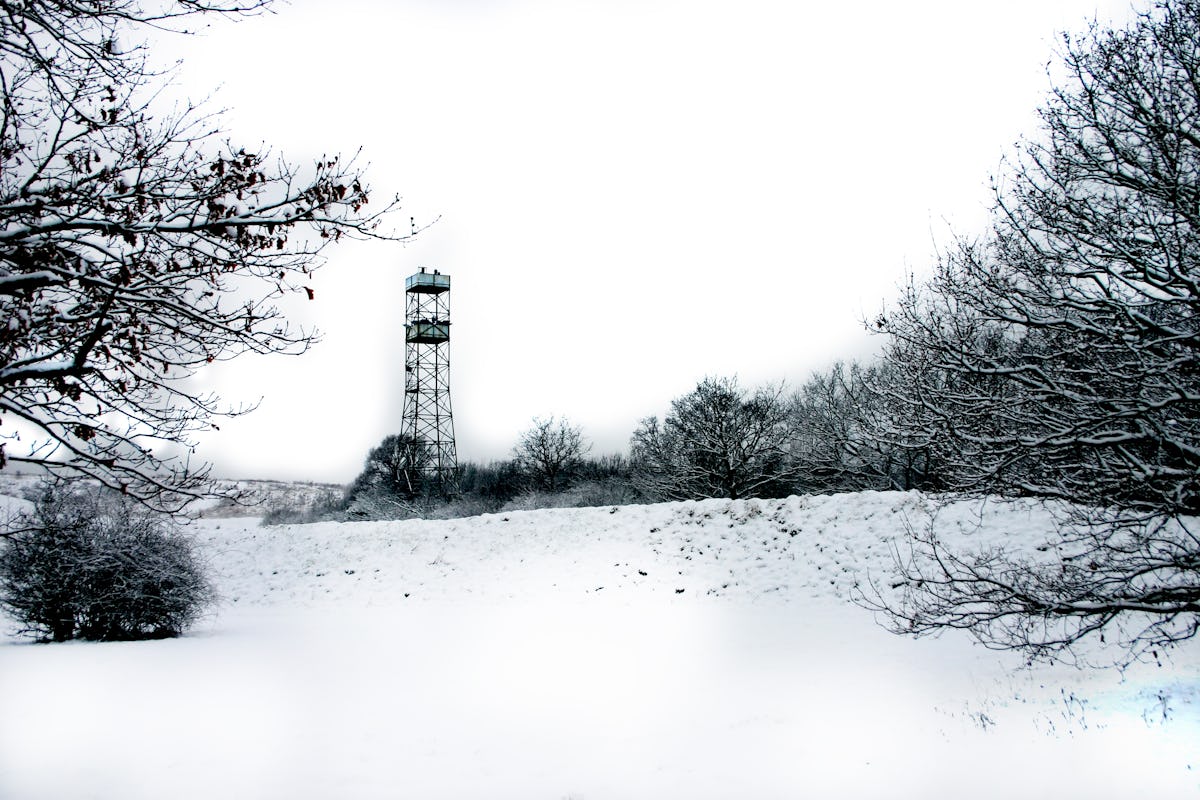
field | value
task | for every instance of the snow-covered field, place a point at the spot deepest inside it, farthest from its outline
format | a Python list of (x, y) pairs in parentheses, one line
[(687, 650)]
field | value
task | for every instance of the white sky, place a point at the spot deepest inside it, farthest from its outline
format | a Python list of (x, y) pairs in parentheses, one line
[(632, 194)]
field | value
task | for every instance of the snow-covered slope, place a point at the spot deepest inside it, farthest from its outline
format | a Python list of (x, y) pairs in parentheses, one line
[(684, 650), (798, 549)]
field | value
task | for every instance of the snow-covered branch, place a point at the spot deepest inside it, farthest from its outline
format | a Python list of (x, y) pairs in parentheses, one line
[(137, 247)]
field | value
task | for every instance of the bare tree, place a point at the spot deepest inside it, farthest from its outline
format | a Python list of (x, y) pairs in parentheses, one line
[(549, 452), (848, 434), (1060, 357), (136, 247), (717, 441), (393, 474)]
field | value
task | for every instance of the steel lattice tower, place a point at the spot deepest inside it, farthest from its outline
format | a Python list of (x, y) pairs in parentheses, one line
[(428, 424)]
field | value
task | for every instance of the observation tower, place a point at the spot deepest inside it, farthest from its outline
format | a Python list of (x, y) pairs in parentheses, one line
[(428, 423)]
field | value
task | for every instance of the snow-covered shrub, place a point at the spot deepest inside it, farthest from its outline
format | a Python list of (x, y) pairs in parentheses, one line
[(327, 505), (88, 564), (586, 494), (466, 505), (376, 505), (615, 491)]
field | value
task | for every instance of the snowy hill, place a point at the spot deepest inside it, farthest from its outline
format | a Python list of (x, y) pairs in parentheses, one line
[(797, 549), (682, 650)]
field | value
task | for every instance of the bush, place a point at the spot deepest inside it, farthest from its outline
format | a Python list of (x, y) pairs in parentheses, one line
[(87, 564), (327, 505), (377, 504), (719, 440), (585, 494)]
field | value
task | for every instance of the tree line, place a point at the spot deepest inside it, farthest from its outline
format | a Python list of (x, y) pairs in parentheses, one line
[(721, 439)]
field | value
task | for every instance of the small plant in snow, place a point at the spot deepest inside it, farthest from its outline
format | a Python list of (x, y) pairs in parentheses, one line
[(89, 564)]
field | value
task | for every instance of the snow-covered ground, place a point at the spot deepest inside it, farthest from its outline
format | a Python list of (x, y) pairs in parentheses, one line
[(687, 650)]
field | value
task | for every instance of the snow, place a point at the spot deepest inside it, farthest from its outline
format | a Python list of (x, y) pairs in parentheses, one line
[(681, 650)]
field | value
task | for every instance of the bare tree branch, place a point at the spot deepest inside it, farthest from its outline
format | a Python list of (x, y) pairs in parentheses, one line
[(1059, 357), (138, 247)]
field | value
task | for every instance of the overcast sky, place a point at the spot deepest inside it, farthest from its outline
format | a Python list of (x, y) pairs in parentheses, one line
[(629, 195)]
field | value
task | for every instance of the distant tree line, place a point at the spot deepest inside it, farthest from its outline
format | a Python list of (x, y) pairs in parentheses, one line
[(837, 432), (550, 466)]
